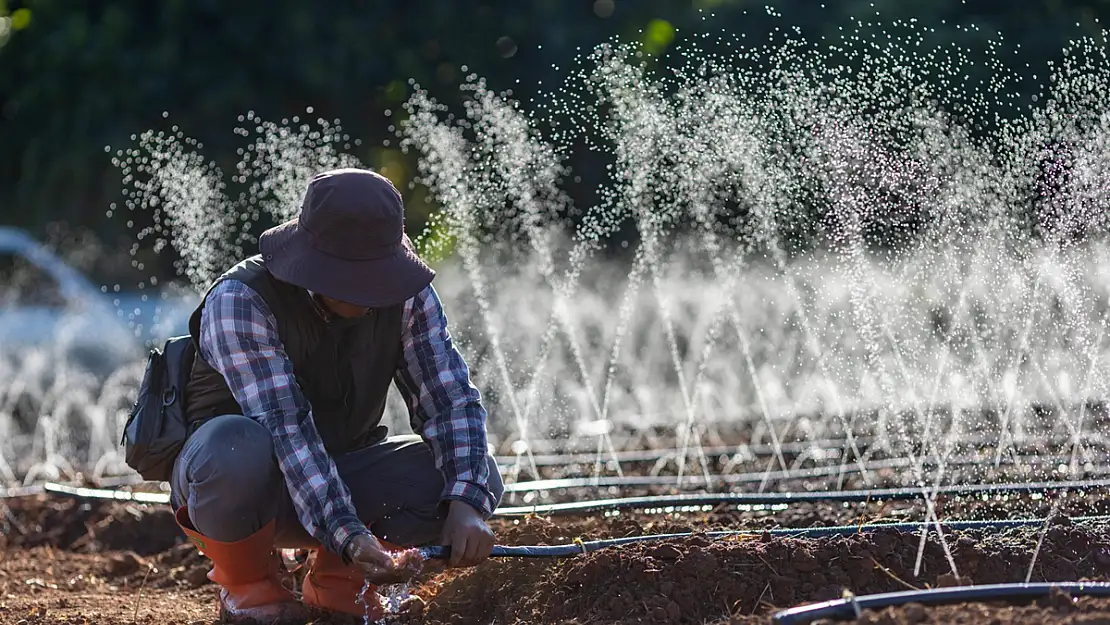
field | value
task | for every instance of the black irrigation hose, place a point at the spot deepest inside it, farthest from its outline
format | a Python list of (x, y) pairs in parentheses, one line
[(851, 607), (615, 481), (757, 476), (863, 495), (578, 548), (661, 501), (758, 450), (764, 450), (637, 480), (876, 494)]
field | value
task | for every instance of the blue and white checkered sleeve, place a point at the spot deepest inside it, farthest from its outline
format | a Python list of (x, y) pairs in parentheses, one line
[(444, 407), (239, 338)]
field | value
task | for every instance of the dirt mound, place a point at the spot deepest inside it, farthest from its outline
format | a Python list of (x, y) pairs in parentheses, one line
[(698, 580), (825, 514), (87, 527), (88, 561)]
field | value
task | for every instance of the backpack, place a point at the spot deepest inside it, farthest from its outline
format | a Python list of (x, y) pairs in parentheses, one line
[(156, 428)]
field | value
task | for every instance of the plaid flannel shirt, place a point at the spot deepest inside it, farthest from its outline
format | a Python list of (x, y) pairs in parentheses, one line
[(239, 338)]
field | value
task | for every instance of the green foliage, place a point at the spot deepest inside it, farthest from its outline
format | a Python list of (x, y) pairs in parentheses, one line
[(78, 76), (657, 36)]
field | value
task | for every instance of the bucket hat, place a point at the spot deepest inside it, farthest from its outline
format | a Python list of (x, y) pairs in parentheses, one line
[(348, 242)]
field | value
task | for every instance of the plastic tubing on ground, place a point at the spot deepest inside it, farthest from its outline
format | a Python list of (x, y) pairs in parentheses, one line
[(658, 501), (578, 548), (543, 457), (851, 607), (874, 494), (751, 477)]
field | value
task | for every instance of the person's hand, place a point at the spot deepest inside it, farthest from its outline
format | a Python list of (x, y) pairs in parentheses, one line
[(365, 552), (466, 532)]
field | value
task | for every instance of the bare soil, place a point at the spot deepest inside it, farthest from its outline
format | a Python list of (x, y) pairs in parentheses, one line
[(65, 561)]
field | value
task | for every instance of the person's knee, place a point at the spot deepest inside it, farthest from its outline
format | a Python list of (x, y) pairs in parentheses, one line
[(237, 448), (231, 472)]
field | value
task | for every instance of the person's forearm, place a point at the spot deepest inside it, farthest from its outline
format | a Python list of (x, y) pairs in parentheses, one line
[(320, 498), (445, 407), (459, 445)]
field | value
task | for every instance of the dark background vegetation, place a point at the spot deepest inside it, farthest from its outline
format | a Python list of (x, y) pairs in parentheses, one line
[(79, 75)]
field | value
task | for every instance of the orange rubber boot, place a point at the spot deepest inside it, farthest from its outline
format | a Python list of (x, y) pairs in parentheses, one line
[(333, 585), (247, 574)]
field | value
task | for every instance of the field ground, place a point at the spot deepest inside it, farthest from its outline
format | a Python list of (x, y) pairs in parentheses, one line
[(65, 561)]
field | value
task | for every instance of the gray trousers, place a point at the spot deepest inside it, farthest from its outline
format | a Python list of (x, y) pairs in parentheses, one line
[(228, 477)]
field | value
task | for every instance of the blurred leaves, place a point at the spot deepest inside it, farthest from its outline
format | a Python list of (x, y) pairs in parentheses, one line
[(12, 21), (21, 18), (657, 36)]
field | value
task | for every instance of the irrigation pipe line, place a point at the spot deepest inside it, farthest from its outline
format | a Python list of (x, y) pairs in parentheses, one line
[(638, 480), (660, 501), (78, 492), (764, 450), (761, 452), (695, 479), (758, 450), (590, 546), (876, 494), (665, 480), (658, 480), (21, 491), (851, 607)]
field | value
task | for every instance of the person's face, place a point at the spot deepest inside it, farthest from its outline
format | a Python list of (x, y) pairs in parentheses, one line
[(343, 309)]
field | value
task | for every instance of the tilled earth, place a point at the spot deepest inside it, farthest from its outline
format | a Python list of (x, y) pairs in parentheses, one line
[(75, 562)]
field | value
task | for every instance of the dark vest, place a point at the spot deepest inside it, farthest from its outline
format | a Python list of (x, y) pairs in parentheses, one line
[(344, 367)]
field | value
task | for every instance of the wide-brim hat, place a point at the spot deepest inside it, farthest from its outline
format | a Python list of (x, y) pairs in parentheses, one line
[(348, 243)]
